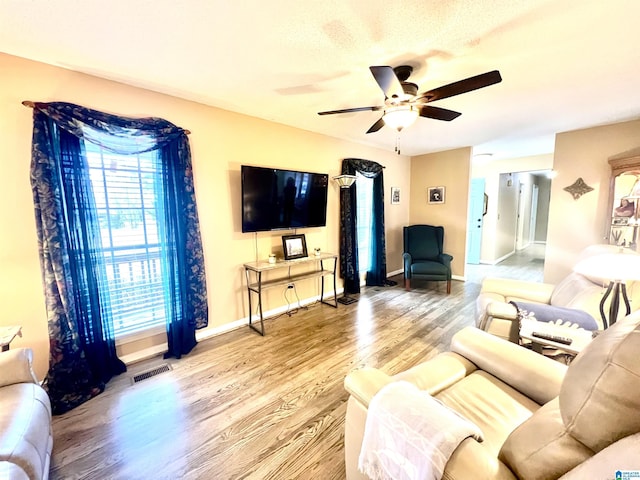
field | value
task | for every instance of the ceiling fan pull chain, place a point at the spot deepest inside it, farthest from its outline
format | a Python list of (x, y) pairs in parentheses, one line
[(397, 149)]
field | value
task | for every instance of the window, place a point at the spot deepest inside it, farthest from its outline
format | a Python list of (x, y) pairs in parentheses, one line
[(364, 192), (129, 203)]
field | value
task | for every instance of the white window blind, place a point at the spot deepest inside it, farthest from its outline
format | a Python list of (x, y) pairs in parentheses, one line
[(129, 205)]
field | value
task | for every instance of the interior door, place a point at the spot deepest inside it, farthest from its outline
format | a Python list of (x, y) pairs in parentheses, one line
[(474, 226)]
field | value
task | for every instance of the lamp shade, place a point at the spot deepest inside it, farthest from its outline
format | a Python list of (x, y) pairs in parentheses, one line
[(400, 117), (620, 267), (345, 181)]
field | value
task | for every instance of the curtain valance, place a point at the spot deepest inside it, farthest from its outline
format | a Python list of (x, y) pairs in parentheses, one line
[(117, 134)]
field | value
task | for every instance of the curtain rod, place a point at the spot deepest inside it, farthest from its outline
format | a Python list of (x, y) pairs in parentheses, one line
[(30, 104)]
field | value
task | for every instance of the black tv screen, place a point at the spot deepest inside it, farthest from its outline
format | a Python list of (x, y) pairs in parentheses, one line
[(274, 199)]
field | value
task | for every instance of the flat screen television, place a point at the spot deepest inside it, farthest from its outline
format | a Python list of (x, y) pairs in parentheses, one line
[(274, 199)]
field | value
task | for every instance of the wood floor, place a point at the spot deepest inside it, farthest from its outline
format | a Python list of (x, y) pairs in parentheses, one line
[(242, 406)]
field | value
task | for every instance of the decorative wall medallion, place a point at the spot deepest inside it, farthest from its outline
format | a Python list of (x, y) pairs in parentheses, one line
[(578, 188)]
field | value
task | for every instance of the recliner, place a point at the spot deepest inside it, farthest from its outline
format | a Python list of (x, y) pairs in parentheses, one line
[(423, 256), (540, 419)]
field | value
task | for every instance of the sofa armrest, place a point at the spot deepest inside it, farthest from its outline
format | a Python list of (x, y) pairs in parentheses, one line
[(532, 374), (16, 367), (521, 289), (432, 376), (503, 310), (364, 383)]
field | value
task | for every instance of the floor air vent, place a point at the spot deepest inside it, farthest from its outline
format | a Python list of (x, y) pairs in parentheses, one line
[(150, 373)]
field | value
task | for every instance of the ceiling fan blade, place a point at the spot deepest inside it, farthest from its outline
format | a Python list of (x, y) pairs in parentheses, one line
[(438, 113), (376, 126), (349, 110), (388, 82), (462, 86)]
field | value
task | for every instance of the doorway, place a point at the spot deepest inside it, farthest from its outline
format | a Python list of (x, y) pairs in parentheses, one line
[(514, 214)]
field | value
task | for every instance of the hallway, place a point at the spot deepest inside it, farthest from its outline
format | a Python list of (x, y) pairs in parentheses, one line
[(526, 264)]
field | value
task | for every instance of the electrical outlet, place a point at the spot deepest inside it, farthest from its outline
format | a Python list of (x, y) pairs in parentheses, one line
[(290, 285)]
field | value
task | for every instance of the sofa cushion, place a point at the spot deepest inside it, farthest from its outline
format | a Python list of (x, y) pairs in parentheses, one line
[(575, 290), (493, 406), (600, 395), (426, 267), (541, 448), (25, 427)]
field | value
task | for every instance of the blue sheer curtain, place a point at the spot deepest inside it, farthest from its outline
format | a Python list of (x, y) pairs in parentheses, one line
[(348, 232), (82, 345)]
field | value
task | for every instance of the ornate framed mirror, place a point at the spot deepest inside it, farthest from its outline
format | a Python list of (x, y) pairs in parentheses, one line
[(624, 202)]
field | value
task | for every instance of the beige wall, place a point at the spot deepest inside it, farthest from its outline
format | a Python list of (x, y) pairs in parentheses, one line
[(451, 170), (221, 141), (576, 224)]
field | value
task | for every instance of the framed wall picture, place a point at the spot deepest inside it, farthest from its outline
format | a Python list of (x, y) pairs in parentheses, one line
[(395, 195), (435, 194), (294, 246)]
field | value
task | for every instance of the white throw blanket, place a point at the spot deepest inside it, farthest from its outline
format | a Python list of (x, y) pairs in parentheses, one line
[(409, 435)]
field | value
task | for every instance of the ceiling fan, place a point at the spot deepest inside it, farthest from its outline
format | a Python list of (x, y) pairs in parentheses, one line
[(402, 103)]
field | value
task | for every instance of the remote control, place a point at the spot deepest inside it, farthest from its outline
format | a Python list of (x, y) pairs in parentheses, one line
[(553, 338)]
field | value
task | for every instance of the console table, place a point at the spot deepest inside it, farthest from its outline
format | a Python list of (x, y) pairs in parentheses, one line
[(256, 284)]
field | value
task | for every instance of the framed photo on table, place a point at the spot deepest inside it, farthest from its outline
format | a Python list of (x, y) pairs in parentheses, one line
[(294, 246)]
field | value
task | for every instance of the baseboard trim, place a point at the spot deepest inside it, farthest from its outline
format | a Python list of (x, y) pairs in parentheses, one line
[(495, 262), (395, 272)]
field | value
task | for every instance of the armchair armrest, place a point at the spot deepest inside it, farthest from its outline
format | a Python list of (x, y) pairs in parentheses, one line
[(532, 374), (445, 259), (406, 258), (15, 367), (528, 291)]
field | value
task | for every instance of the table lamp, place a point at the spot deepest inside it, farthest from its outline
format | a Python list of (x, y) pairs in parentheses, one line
[(617, 268)]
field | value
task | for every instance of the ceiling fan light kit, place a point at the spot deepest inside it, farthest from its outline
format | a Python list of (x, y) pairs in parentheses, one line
[(400, 117), (402, 102)]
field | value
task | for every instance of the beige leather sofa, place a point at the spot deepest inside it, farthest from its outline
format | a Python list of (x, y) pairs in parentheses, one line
[(496, 315), (540, 419), (26, 438)]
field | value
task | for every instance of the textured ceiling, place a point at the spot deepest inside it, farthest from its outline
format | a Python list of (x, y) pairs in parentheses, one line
[(566, 64)]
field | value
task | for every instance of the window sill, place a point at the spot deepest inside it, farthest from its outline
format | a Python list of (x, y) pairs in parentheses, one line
[(139, 335)]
